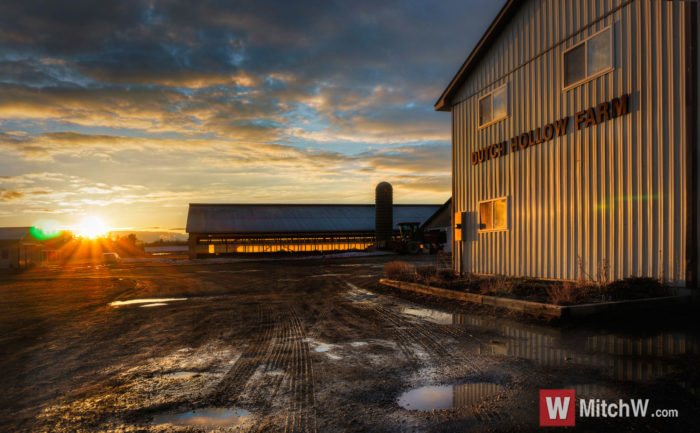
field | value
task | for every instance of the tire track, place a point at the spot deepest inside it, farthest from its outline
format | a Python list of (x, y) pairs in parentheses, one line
[(287, 380), (394, 332), (405, 333), (274, 375), (228, 391), (409, 333), (302, 416), (369, 310)]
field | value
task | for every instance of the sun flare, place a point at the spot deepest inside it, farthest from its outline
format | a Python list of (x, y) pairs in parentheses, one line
[(92, 227)]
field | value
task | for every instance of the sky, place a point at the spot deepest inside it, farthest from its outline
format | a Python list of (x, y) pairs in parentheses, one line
[(130, 110)]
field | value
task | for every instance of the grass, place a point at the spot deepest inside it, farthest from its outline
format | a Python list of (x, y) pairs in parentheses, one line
[(581, 291), (398, 270)]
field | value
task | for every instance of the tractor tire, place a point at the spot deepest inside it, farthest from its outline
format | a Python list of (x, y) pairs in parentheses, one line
[(412, 247)]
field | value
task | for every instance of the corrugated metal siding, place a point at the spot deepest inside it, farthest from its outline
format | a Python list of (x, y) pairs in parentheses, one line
[(612, 192)]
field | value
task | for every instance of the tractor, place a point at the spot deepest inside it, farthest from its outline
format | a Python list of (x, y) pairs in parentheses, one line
[(412, 239)]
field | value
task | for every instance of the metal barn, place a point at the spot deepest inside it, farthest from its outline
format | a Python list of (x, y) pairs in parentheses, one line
[(575, 143), (227, 229), (18, 248)]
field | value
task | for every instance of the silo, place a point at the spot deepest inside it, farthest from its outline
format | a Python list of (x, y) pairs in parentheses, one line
[(384, 214)]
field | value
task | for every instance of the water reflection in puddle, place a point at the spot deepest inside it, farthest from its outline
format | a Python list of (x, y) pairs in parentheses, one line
[(181, 375), (241, 271), (156, 304), (214, 417), (430, 315), (322, 348), (629, 356), (448, 396), (357, 294), (153, 302)]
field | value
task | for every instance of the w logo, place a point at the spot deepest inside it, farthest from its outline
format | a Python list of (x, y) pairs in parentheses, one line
[(557, 407)]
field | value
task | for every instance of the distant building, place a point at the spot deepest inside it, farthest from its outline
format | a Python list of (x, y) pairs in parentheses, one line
[(18, 248), (226, 229), (575, 142), (441, 220)]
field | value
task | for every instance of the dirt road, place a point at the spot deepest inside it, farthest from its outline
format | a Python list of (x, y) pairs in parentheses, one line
[(307, 346)]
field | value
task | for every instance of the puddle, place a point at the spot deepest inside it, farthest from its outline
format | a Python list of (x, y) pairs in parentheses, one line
[(157, 304), (435, 316), (213, 417), (630, 356), (326, 348), (242, 271), (447, 396), (182, 375), (319, 346), (159, 301), (356, 294), (636, 356)]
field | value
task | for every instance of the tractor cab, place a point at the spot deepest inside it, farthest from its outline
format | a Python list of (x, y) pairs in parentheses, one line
[(412, 239), (408, 230), (407, 241)]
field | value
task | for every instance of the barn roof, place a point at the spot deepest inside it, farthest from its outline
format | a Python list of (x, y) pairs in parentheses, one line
[(506, 13), (13, 233), (295, 218), (442, 215)]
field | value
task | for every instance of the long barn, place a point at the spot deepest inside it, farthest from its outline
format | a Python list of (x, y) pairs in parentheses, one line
[(575, 142), (228, 229)]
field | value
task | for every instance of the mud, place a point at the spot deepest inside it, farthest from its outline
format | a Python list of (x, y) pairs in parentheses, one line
[(206, 417), (147, 302), (432, 397), (310, 346)]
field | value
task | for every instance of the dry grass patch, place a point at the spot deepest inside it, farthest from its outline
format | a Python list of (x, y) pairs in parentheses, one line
[(399, 270), (581, 291)]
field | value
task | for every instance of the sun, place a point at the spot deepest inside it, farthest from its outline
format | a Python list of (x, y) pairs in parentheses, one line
[(92, 227)]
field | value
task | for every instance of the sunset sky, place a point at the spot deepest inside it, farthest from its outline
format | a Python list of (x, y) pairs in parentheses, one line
[(131, 110)]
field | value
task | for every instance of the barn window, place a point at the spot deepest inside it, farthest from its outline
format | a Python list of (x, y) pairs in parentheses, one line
[(494, 106), (493, 214), (588, 59)]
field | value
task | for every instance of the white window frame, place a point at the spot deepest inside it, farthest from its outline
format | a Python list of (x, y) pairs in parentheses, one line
[(478, 106), (493, 200), (588, 78)]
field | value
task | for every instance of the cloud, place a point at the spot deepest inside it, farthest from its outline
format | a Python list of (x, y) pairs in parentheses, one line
[(65, 27), (441, 184), (425, 159), (236, 155), (148, 104), (6, 195)]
